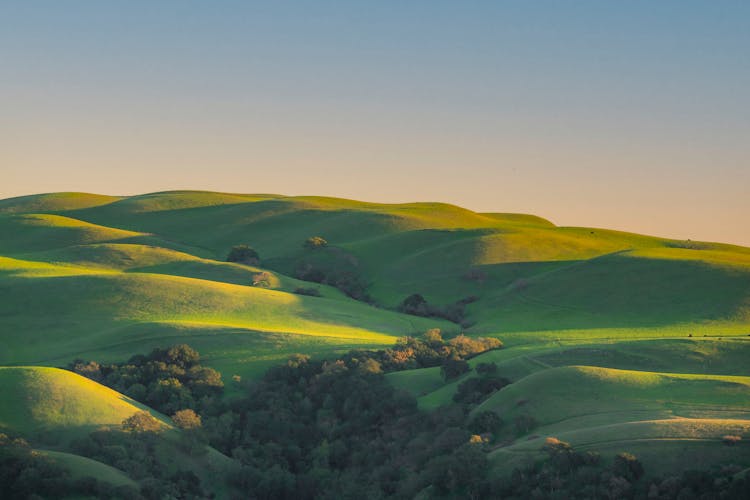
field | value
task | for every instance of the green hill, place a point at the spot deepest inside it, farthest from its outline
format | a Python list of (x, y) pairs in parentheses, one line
[(608, 410), (612, 339), (45, 404)]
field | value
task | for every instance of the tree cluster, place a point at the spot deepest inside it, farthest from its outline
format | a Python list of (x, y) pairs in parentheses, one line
[(140, 456), (338, 429), (243, 254), (417, 305), (167, 380), (26, 474)]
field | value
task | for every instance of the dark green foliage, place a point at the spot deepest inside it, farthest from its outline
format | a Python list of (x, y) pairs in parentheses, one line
[(485, 422), (244, 254), (338, 429), (453, 368), (347, 281), (486, 369), (26, 474), (311, 291), (167, 379), (628, 466), (417, 305), (474, 390), (137, 454)]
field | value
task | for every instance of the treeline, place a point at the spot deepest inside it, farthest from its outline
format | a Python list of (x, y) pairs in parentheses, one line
[(427, 351)]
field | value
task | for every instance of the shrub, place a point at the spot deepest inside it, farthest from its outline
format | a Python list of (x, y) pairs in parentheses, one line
[(485, 422), (311, 291), (243, 254), (628, 466), (186, 419), (474, 390), (453, 368), (315, 242), (141, 422), (731, 440), (262, 279), (415, 304), (484, 369)]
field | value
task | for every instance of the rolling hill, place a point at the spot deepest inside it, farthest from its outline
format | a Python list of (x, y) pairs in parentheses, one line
[(612, 339)]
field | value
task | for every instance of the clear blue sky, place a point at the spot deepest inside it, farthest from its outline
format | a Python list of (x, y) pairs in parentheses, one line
[(632, 115)]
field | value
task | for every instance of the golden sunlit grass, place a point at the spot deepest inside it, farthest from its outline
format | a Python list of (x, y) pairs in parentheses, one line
[(50, 401)]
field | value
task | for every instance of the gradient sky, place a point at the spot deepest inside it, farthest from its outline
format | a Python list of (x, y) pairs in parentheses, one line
[(630, 115)]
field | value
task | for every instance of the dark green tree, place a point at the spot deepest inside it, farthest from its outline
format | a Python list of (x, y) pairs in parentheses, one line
[(244, 254)]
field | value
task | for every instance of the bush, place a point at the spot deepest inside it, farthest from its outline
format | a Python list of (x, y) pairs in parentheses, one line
[(243, 254), (315, 242), (485, 422), (186, 419), (415, 304), (311, 291), (141, 422), (474, 390), (453, 368), (262, 280), (628, 466), (485, 369), (731, 440)]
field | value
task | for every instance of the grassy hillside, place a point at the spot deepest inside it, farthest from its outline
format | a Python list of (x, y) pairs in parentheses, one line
[(607, 333), (80, 467), (614, 410), (48, 404)]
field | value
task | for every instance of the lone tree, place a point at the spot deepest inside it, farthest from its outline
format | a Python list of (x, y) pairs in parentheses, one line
[(415, 304), (315, 242), (243, 254)]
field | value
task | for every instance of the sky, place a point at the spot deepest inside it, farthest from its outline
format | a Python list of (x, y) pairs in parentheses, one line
[(627, 115)]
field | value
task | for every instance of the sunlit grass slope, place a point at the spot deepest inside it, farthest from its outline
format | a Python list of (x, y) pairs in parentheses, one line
[(54, 202), (610, 410), (533, 281), (40, 401), (447, 253), (104, 314), (705, 355), (567, 395)]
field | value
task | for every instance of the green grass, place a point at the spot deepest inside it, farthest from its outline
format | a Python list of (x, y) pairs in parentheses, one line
[(607, 333), (557, 396), (48, 404), (80, 467), (105, 314)]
